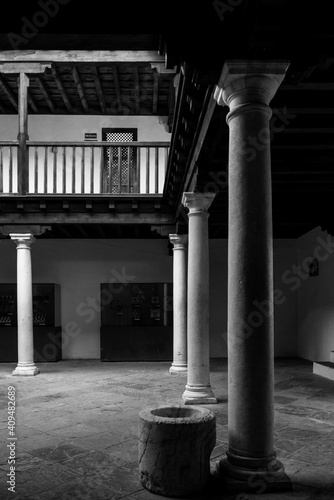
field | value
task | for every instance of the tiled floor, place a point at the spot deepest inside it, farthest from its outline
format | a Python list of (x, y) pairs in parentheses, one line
[(76, 429)]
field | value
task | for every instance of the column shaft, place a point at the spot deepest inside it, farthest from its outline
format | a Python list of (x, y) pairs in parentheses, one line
[(198, 388), (25, 335), (179, 365), (247, 88)]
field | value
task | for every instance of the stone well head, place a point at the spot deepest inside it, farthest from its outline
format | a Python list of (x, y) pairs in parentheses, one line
[(175, 444)]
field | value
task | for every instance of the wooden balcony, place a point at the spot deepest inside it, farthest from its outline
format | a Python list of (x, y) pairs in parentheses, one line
[(82, 168)]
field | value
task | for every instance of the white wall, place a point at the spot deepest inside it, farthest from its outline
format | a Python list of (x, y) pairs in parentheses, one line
[(79, 266), (51, 128), (73, 128), (315, 296), (285, 307)]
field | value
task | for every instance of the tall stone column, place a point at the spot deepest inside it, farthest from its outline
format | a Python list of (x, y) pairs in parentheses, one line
[(198, 388), (25, 335), (179, 365), (247, 87)]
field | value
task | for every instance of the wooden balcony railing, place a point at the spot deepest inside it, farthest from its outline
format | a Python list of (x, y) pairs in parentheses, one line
[(83, 168)]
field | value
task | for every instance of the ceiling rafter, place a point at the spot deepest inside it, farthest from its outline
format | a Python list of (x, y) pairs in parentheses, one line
[(80, 88), (117, 89), (61, 88), (99, 89), (32, 103), (155, 91), (136, 89), (46, 94), (8, 91)]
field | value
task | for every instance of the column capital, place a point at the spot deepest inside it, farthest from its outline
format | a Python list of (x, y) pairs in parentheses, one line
[(197, 202), (22, 240), (249, 81), (179, 241), (34, 229)]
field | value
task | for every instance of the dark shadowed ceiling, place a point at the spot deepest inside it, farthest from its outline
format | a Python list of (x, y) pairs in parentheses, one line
[(199, 39)]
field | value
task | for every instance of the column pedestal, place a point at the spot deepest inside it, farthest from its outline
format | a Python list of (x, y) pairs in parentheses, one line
[(198, 388), (25, 334), (247, 87), (179, 365)]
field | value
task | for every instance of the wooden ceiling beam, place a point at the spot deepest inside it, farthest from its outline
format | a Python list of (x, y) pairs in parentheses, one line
[(155, 91), (136, 88), (311, 111), (307, 130), (61, 89), (32, 103), (82, 56), (307, 86), (63, 230), (81, 230), (8, 91), (117, 89), (80, 88), (100, 94), (46, 94), (100, 230)]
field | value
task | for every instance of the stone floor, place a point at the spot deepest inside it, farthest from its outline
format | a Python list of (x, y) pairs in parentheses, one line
[(76, 429)]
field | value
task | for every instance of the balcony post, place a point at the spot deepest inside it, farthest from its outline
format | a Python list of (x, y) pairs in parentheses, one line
[(22, 160)]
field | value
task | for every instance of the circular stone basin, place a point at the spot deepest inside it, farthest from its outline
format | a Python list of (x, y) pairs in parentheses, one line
[(174, 448), (176, 412)]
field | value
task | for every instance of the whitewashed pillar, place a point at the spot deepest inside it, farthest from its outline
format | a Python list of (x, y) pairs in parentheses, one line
[(179, 365)]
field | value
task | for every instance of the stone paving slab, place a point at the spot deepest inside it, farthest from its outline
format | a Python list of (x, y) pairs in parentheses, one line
[(77, 424)]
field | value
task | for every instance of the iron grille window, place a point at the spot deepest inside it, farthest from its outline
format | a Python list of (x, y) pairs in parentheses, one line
[(120, 162)]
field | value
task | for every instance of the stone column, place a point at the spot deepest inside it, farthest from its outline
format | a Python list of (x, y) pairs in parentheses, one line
[(25, 335), (247, 87), (198, 388), (179, 365)]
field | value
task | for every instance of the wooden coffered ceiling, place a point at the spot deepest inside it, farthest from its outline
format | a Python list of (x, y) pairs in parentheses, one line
[(109, 88)]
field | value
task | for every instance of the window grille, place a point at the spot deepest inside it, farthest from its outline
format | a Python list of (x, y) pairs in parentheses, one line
[(120, 162)]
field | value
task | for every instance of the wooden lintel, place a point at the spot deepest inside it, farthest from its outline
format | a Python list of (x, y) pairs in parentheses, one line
[(161, 68), (23, 67), (86, 218), (82, 56)]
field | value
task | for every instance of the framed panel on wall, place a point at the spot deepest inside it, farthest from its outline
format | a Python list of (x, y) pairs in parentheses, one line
[(136, 321), (46, 322)]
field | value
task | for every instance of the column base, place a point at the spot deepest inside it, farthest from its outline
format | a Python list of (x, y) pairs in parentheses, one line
[(26, 370), (264, 479), (178, 369), (196, 395)]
